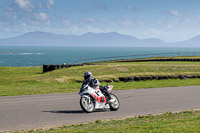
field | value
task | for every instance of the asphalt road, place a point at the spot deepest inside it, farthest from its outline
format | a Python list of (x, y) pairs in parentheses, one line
[(36, 111)]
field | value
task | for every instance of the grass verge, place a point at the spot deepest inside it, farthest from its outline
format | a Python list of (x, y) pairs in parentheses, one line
[(30, 80), (184, 122)]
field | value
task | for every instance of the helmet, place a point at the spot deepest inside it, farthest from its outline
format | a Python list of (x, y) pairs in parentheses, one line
[(87, 75)]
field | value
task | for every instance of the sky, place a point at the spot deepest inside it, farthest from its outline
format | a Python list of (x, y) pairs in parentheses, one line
[(168, 20)]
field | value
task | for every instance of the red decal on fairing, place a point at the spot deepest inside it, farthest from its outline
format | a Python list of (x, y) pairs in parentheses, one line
[(104, 99), (99, 98)]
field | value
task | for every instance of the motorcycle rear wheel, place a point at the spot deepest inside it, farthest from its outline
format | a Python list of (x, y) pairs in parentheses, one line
[(114, 106), (86, 105)]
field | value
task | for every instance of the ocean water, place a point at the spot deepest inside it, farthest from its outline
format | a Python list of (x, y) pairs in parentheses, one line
[(37, 56)]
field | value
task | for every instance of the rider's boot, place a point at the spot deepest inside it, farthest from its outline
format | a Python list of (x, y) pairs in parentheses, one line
[(109, 99)]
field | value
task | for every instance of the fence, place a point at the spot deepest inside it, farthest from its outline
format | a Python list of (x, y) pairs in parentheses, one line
[(94, 60)]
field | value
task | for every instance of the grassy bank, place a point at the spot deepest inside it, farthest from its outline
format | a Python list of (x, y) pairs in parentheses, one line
[(30, 80), (184, 122)]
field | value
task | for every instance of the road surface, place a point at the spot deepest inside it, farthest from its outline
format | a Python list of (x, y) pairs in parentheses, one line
[(37, 111)]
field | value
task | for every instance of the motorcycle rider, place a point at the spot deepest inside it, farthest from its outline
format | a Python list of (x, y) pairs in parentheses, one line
[(93, 82), (88, 79)]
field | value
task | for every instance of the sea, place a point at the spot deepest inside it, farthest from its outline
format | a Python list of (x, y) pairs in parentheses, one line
[(21, 56)]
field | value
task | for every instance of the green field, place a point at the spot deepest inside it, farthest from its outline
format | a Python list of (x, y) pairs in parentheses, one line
[(183, 122), (30, 80)]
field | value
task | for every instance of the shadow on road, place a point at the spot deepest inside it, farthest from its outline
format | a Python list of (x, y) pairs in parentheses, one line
[(66, 111), (73, 111)]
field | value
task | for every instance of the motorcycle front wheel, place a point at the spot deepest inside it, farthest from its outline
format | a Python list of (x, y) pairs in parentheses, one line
[(114, 106), (87, 105)]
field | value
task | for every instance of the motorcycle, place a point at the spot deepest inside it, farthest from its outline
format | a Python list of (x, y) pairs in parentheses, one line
[(98, 98)]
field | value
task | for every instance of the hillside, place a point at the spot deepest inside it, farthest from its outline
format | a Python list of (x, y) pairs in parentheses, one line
[(111, 39), (89, 39)]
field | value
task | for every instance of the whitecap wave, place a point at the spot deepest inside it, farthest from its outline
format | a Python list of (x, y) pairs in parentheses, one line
[(20, 53), (26, 53), (39, 53)]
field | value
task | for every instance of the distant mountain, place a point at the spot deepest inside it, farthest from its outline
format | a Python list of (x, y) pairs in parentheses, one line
[(112, 39), (194, 42), (107, 39), (37, 39)]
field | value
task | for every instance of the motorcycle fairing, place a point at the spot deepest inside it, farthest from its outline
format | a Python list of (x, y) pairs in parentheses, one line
[(98, 103)]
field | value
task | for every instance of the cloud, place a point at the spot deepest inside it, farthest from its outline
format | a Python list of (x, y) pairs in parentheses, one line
[(174, 13), (169, 26), (100, 6), (66, 22), (41, 16), (187, 20), (141, 24), (159, 22), (132, 9), (24, 4), (126, 23), (11, 15), (50, 4), (93, 29), (75, 29), (47, 4), (89, 20), (153, 30), (24, 24)]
